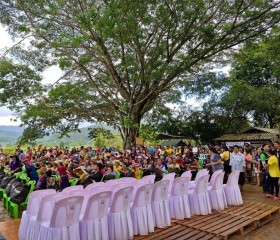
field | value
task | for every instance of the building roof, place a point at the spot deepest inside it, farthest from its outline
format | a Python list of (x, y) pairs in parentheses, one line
[(173, 143), (251, 134)]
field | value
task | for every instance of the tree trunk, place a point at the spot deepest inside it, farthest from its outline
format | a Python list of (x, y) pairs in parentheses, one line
[(132, 132)]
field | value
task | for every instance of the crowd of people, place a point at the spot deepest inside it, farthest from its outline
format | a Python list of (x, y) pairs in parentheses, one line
[(55, 167)]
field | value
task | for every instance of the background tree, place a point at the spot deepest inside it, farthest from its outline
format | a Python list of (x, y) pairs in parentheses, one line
[(127, 54)]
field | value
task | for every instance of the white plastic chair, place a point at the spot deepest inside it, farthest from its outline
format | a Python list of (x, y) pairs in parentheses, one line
[(216, 193), (187, 174), (199, 199), (151, 178), (199, 174), (64, 223), (160, 206), (34, 200), (44, 215), (178, 199), (213, 177), (170, 177), (73, 188), (232, 190), (141, 210), (94, 223), (119, 217)]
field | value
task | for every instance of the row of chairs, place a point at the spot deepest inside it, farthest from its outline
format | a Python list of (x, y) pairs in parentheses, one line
[(119, 209), (12, 207)]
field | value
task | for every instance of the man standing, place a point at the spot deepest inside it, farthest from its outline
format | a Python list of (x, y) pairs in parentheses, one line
[(264, 160), (237, 162)]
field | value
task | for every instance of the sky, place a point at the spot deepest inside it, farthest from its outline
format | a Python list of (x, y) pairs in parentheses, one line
[(49, 76)]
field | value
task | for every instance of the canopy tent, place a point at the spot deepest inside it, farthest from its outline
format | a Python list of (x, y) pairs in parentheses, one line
[(169, 143)]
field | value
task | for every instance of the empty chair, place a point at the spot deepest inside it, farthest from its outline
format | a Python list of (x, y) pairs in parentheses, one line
[(213, 177), (216, 193), (119, 217), (160, 206), (151, 178), (141, 210), (34, 200), (199, 199), (187, 174), (94, 223), (232, 190), (73, 188), (95, 184), (64, 223), (199, 174), (43, 215), (127, 179), (178, 199), (138, 184), (170, 177)]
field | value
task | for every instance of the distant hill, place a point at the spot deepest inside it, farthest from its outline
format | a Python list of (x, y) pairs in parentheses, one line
[(10, 134)]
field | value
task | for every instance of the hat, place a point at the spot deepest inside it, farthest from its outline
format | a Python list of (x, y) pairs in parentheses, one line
[(117, 161), (62, 170), (139, 156), (136, 165)]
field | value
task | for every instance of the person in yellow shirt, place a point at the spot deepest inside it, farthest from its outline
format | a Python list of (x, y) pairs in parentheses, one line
[(274, 172), (225, 156), (117, 166), (137, 171)]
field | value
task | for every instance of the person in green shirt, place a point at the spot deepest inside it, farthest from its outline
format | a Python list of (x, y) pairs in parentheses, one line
[(265, 175)]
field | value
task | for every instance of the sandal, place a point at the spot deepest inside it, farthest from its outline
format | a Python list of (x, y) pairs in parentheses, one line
[(269, 196), (276, 198)]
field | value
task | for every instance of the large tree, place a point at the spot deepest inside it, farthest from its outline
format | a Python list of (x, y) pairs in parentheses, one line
[(122, 56)]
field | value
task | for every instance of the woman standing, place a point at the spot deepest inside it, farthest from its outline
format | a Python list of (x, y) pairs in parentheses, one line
[(258, 166), (249, 159), (274, 174), (215, 160)]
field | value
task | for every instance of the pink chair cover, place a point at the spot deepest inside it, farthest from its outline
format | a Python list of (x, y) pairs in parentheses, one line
[(151, 178), (199, 174), (178, 199), (187, 174), (34, 200), (44, 214), (73, 188), (64, 223), (141, 210), (127, 179), (119, 217), (94, 224), (138, 184), (216, 193), (198, 198), (170, 177), (232, 190), (213, 177), (93, 185), (160, 204)]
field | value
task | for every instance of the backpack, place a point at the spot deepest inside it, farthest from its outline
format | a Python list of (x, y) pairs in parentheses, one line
[(5, 181), (9, 185), (19, 194)]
